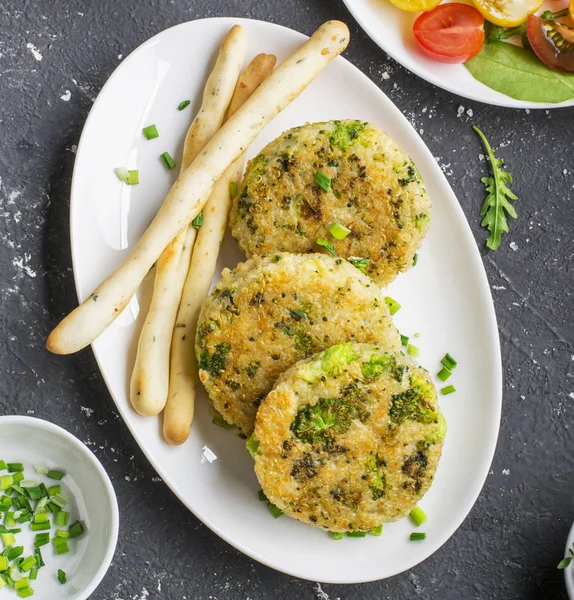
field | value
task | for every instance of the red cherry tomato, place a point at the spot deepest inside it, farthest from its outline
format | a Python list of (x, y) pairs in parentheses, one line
[(450, 33), (552, 42)]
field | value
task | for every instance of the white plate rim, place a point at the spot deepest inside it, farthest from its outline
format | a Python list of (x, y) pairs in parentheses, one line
[(485, 289), (502, 99)]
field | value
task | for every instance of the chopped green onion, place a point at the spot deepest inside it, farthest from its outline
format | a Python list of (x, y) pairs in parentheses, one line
[(123, 175), (323, 181), (41, 469), (75, 529), (62, 576), (261, 495), (41, 539), (298, 315), (129, 178), (28, 483), (232, 188), (4, 564), (23, 583), (392, 305), (415, 260), (60, 545), (168, 160), (18, 477), (183, 104), (60, 500), (26, 592), (360, 263), (27, 564), (3, 465), (39, 559), (61, 533), (444, 374), (41, 518), (252, 445), (276, 512), (33, 573), (7, 539), (357, 534), (9, 519), (336, 535), (14, 552), (405, 340), (338, 231), (2, 582), (59, 474), (40, 526), (150, 132), (133, 179), (198, 221), (15, 467), (221, 422), (62, 518), (6, 482), (413, 350), (417, 537), (448, 361), (449, 389), (35, 493), (327, 245), (378, 530), (54, 490), (418, 516)]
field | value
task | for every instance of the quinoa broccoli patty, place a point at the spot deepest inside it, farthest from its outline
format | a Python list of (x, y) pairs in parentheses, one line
[(349, 438), (347, 173), (270, 312)]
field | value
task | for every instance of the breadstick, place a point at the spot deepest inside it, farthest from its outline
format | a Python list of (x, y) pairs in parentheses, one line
[(150, 377), (193, 187), (178, 414)]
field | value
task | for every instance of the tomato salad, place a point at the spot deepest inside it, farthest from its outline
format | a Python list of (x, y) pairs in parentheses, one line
[(456, 32)]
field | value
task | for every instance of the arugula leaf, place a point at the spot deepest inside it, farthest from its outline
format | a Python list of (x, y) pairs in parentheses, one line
[(565, 562), (497, 198), (519, 73)]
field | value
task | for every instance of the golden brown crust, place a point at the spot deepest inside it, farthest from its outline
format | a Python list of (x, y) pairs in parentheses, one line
[(375, 191), (270, 312), (375, 471)]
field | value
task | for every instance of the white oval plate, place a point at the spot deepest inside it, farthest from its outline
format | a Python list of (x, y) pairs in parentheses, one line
[(392, 29), (446, 298)]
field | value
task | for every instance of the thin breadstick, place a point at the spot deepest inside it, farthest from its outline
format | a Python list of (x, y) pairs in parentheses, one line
[(193, 188), (178, 413), (150, 377)]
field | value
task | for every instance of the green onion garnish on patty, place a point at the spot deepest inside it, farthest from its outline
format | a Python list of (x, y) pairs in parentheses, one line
[(168, 160), (323, 181), (338, 231), (327, 245), (360, 263), (150, 132)]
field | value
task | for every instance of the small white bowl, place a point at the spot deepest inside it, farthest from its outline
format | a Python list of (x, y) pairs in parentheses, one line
[(569, 571), (91, 500)]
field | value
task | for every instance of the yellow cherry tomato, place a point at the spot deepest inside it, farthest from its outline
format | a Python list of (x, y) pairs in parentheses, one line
[(415, 5), (571, 9), (507, 13)]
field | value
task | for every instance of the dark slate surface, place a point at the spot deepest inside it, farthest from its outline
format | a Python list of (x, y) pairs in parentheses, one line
[(509, 545)]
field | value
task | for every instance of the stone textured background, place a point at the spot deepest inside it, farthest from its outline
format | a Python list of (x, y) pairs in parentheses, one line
[(54, 58)]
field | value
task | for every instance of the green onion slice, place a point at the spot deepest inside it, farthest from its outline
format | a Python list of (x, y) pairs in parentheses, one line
[(327, 245), (418, 516), (276, 512), (62, 576), (168, 160), (356, 534), (416, 537), (444, 374), (198, 221), (415, 260), (413, 350), (405, 340), (448, 361), (336, 535), (338, 231), (323, 181), (183, 104), (449, 389), (150, 132), (360, 263), (378, 530), (392, 305)]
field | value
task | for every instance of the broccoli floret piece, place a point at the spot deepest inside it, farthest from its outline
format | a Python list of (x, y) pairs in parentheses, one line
[(377, 486), (305, 468), (346, 133), (252, 369), (381, 363), (421, 220), (414, 403), (440, 431), (214, 363), (337, 356)]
